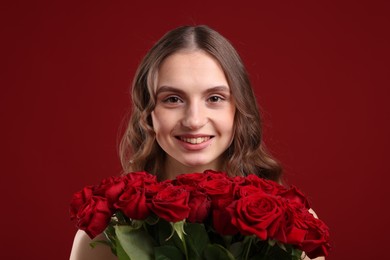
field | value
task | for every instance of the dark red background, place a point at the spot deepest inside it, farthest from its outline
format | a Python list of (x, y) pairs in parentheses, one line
[(321, 75)]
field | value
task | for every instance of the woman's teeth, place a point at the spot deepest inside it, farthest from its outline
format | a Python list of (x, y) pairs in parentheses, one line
[(197, 140)]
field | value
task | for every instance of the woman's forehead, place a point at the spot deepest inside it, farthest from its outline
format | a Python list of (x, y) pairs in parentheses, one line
[(190, 69)]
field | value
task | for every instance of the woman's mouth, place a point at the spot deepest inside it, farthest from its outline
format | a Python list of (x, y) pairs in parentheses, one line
[(195, 140)]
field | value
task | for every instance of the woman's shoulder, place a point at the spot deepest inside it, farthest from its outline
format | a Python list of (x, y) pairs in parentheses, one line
[(82, 250)]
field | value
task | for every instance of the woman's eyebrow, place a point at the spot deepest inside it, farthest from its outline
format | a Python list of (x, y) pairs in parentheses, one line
[(218, 89), (178, 90), (169, 89)]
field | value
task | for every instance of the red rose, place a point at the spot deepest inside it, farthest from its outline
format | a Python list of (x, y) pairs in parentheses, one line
[(293, 228), (153, 188), (191, 179), (94, 216), (316, 242), (316, 238), (199, 204), (222, 222), (212, 175), (238, 180), (268, 186), (258, 214), (111, 188), (293, 195), (248, 190), (218, 188), (143, 176), (79, 199), (133, 204), (144, 180), (171, 203)]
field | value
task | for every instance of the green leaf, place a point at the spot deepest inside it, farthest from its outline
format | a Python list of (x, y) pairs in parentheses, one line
[(164, 232), (99, 242), (111, 238), (217, 252), (167, 253), (135, 242), (196, 239), (120, 253), (237, 249), (273, 251)]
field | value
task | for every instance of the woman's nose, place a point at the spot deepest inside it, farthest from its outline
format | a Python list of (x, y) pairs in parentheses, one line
[(194, 117)]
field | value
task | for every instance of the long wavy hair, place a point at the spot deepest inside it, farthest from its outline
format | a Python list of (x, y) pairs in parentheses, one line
[(138, 148)]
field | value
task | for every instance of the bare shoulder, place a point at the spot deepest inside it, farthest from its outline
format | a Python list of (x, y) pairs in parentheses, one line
[(81, 249)]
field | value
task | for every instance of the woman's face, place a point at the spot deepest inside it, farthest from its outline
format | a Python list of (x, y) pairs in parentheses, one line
[(194, 113)]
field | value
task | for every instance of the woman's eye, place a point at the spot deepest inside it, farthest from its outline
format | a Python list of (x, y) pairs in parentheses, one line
[(215, 99), (172, 99)]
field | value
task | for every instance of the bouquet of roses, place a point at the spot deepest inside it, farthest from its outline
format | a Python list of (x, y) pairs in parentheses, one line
[(199, 216)]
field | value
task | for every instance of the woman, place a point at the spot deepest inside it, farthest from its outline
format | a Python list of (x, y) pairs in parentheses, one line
[(193, 109)]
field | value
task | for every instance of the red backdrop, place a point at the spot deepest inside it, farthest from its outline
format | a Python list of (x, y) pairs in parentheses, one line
[(321, 75)]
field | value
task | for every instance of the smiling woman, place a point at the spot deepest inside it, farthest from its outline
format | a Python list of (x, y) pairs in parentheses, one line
[(193, 117), (195, 76), (193, 110)]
